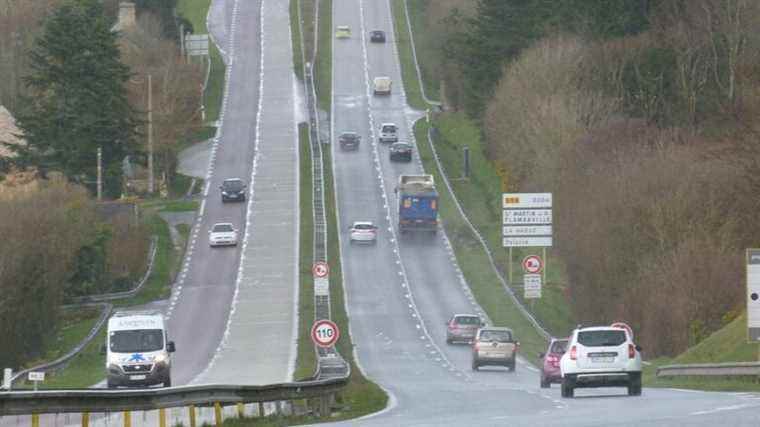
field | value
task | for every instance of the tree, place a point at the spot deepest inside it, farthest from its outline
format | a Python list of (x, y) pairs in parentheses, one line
[(78, 101)]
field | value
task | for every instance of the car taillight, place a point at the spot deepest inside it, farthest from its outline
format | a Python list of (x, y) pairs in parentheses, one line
[(552, 360), (631, 351), (573, 353)]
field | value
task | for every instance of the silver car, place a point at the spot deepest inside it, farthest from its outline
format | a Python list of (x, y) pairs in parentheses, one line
[(363, 232), (463, 328), (223, 234), (388, 132)]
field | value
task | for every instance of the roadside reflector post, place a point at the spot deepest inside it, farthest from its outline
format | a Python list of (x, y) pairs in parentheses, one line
[(218, 414), (162, 417), (261, 409), (466, 154), (127, 419), (85, 419), (240, 410), (35, 420), (191, 410)]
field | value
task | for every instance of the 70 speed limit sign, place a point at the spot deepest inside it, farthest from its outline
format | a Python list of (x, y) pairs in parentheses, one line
[(325, 333)]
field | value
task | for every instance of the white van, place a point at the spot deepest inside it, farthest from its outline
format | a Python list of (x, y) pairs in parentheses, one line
[(388, 132), (138, 350), (382, 86)]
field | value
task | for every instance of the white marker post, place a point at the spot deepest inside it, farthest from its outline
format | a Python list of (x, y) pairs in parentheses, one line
[(7, 374)]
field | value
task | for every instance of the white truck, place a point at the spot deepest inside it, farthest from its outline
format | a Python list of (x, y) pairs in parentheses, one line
[(138, 350)]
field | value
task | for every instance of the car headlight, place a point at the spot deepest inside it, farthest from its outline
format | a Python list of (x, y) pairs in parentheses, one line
[(161, 358), (224, 193)]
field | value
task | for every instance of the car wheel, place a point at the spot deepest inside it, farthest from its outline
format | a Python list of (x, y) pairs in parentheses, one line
[(634, 385), (511, 365), (545, 383), (475, 365), (168, 382), (110, 385), (568, 387)]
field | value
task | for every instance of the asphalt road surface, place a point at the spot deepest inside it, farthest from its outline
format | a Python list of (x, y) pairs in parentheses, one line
[(401, 292)]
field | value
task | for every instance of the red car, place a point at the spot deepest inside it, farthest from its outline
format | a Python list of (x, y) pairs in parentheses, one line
[(550, 367)]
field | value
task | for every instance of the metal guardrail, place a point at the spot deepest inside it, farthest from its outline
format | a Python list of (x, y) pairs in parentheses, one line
[(330, 363), (414, 55), (101, 401), (124, 294), (541, 330), (63, 360), (106, 309), (710, 369)]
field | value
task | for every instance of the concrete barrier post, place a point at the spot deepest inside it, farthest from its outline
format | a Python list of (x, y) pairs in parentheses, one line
[(218, 414), (191, 410)]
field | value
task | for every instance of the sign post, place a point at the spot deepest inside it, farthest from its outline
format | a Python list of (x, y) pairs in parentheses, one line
[(7, 374), (753, 296), (325, 333), (36, 377)]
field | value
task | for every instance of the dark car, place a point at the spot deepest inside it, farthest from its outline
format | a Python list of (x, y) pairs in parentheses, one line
[(349, 140), (401, 151), (550, 372), (377, 36), (233, 190)]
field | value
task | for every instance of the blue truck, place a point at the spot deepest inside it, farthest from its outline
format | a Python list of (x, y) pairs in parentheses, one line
[(417, 204)]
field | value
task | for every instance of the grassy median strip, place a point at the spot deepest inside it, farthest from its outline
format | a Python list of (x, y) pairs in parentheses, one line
[(306, 364), (323, 72), (295, 34)]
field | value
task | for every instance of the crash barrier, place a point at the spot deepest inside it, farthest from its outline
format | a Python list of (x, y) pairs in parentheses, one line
[(124, 294), (710, 369), (536, 324), (414, 56), (329, 363), (217, 396)]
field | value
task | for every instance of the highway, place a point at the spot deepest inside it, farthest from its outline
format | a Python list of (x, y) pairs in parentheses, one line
[(400, 293)]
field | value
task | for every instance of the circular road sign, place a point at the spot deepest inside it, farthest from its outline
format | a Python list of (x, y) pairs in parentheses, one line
[(533, 264), (320, 269), (325, 333), (625, 326)]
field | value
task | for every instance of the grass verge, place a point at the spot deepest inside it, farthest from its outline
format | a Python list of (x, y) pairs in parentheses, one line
[(307, 25), (408, 70), (425, 41), (728, 344), (195, 11), (473, 261), (87, 367), (323, 72)]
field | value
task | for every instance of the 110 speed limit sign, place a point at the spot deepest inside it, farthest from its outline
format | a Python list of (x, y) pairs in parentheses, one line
[(325, 333)]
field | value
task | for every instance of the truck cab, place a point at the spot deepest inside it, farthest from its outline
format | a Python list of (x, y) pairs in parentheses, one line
[(138, 350)]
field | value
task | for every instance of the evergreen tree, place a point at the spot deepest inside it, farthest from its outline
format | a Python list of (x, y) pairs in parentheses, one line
[(79, 101)]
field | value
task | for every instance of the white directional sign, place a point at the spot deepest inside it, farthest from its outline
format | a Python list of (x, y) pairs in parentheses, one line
[(526, 200), (527, 216), (527, 230), (36, 376), (753, 295), (526, 242), (532, 286), (196, 44)]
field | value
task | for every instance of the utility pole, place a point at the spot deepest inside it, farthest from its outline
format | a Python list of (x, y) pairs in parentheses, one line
[(100, 174), (150, 135)]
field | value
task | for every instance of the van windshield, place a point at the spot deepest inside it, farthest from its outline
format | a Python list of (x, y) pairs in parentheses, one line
[(136, 340)]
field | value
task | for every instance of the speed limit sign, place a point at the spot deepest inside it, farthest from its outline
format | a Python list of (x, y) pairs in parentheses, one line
[(325, 333)]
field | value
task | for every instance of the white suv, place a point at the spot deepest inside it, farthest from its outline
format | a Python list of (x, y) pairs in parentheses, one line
[(602, 356)]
